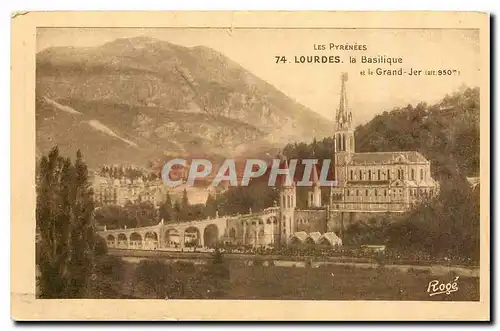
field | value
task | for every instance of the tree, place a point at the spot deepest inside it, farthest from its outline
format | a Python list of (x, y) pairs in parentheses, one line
[(115, 217), (177, 211), (107, 277), (210, 206), (184, 208), (64, 217), (144, 213), (217, 275), (100, 248), (166, 212)]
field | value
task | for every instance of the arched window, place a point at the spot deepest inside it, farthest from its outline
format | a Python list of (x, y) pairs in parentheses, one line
[(421, 174), (378, 174), (369, 175), (360, 175), (352, 175), (388, 174)]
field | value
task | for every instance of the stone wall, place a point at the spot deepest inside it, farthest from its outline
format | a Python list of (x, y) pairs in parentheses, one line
[(311, 220)]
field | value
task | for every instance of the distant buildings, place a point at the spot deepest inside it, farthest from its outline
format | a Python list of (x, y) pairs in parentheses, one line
[(120, 191)]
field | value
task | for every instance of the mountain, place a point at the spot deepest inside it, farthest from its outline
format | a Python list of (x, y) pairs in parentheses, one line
[(134, 100)]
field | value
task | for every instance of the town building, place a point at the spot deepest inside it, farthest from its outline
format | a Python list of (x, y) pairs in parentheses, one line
[(121, 191)]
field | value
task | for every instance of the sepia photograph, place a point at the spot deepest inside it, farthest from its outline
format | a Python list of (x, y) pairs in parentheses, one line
[(260, 163)]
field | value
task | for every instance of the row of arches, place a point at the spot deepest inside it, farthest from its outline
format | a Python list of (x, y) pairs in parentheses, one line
[(252, 236), (172, 238)]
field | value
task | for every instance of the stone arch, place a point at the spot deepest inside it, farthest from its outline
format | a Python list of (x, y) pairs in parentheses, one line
[(273, 219), (151, 240), (122, 240), (135, 241), (261, 238), (192, 237), (211, 236), (232, 234), (110, 240), (250, 236), (172, 238)]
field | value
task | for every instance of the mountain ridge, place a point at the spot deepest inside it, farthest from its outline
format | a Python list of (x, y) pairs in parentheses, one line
[(148, 86)]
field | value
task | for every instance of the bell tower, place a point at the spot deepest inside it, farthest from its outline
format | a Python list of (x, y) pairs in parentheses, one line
[(287, 205), (314, 195), (344, 133)]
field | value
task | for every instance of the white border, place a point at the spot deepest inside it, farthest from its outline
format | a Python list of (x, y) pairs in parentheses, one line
[(7, 7)]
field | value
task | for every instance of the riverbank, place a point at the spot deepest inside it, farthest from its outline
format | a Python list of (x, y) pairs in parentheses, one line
[(297, 262), (325, 282)]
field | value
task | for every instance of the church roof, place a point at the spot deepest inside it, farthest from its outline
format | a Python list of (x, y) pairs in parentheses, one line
[(315, 236), (332, 238), (387, 157), (473, 181), (301, 235)]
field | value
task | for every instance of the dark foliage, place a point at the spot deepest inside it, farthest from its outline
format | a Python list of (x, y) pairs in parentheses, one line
[(107, 278), (131, 215), (64, 219), (159, 279), (446, 133), (447, 226)]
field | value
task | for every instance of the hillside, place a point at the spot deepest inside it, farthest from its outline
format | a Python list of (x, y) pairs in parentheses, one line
[(447, 133), (134, 100)]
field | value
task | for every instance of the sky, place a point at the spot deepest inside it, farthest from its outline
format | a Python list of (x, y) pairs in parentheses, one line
[(317, 86)]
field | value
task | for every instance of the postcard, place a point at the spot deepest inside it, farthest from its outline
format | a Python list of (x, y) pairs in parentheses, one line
[(250, 166)]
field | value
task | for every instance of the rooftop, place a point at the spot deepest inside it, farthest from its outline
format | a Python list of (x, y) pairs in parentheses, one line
[(387, 157)]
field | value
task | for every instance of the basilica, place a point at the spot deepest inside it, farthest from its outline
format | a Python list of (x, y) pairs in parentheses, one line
[(367, 183)]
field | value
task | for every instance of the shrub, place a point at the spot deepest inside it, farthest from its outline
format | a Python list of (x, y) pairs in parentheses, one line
[(153, 277)]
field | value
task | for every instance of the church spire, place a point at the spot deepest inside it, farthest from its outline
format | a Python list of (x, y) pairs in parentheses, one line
[(344, 115), (344, 131)]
